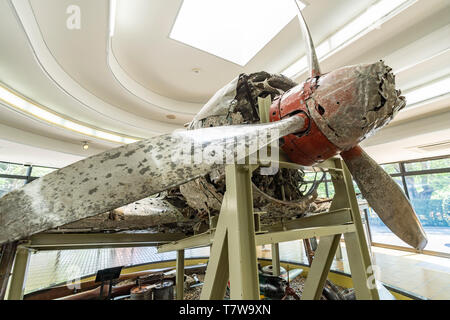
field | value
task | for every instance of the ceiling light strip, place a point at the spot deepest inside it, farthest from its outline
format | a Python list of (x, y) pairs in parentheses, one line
[(435, 89), (371, 19), (112, 17), (29, 107)]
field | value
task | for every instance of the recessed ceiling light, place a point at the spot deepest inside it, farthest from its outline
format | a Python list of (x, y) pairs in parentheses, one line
[(170, 116), (196, 70), (85, 145), (234, 30)]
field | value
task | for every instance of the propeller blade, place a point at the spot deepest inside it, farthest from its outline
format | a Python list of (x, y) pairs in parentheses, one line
[(386, 197), (313, 62), (128, 173)]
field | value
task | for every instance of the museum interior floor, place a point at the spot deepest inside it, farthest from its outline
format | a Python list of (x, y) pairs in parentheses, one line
[(423, 275)]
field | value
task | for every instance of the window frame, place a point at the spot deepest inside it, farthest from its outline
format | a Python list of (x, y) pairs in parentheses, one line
[(403, 174), (29, 175)]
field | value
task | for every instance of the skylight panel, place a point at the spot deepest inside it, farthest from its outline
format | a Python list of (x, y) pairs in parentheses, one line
[(234, 30)]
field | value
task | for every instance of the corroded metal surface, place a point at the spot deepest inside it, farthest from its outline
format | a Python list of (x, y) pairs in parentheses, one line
[(219, 102), (204, 195), (352, 102), (344, 106), (385, 197), (310, 145), (117, 177), (149, 213)]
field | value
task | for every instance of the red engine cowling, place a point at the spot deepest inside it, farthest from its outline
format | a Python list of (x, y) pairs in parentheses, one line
[(309, 145)]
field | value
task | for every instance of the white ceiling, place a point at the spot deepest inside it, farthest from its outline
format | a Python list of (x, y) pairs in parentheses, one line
[(131, 84)]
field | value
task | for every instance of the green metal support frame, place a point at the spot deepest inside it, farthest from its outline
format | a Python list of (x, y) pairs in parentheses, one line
[(356, 244), (180, 275), (233, 253), (276, 259), (234, 241), (19, 274)]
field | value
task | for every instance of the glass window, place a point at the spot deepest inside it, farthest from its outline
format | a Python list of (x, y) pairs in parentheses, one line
[(430, 197), (399, 182), (322, 188), (8, 184), (13, 169), (312, 176), (41, 171), (355, 186), (330, 189), (380, 232), (322, 191), (427, 165), (391, 168), (47, 268)]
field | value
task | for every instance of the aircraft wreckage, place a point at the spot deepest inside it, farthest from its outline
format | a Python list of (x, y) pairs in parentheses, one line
[(327, 115)]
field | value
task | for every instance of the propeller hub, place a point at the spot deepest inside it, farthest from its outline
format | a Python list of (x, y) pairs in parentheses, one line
[(352, 102), (341, 108), (308, 145)]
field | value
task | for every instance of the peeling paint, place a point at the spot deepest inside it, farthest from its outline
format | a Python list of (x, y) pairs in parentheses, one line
[(43, 204), (353, 102)]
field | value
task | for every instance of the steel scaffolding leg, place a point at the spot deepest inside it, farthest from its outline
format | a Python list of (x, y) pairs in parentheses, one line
[(358, 253), (233, 253), (234, 241), (19, 274), (180, 274), (276, 259), (217, 272), (320, 267), (356, 244)]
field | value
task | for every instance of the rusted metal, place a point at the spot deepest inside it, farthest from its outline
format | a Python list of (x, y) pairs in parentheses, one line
[(308, 250), (342, 107), (309, 145), (94, 294), (143, 292), (327, 114), (204, 195), (352, 102), (163, 291)]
